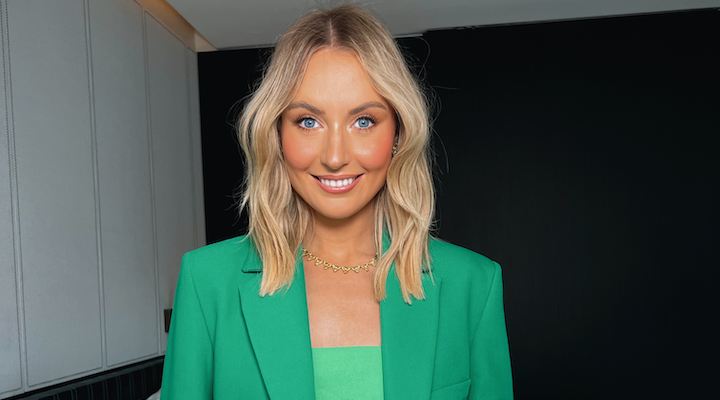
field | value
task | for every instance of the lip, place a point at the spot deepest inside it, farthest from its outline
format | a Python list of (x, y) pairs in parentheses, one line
[(337, 190)]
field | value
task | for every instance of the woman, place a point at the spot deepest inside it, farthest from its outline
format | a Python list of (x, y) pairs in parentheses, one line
[(337, 291)]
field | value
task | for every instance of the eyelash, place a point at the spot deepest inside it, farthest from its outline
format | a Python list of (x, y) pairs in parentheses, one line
[(372, 120), (300, 120)]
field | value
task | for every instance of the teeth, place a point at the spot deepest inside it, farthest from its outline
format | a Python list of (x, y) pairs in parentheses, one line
[(337, 183)]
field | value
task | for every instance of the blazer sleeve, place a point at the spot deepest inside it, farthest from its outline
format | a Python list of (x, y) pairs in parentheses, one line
[(489, 353), (188, 366)]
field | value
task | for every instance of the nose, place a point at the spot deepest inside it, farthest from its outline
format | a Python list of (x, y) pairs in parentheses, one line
[(334, 154)]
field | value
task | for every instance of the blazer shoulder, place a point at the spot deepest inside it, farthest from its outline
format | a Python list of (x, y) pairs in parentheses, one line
[(223, 259), (448, 259), (468, 278)]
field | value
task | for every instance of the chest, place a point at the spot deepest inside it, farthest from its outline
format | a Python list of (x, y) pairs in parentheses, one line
[(342, 310)]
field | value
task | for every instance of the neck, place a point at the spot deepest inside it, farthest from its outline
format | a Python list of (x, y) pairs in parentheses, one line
[(343, 240)]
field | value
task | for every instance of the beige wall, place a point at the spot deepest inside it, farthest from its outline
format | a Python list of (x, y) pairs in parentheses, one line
[(100, 186)]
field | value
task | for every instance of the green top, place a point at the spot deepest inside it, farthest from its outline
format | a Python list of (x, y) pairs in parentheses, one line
[(353, 373)]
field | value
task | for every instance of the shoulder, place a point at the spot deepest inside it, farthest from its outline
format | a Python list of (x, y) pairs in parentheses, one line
[(226, 250), (447, 257), (461, 269), (222, 260)]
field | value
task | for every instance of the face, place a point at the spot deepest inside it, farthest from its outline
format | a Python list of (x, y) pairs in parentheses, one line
[(337, 136)]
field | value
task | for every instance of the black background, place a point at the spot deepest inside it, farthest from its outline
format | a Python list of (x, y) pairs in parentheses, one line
[(582, 156)]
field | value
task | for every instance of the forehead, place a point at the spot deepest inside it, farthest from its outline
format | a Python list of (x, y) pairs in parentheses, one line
[(334, 74), (334, 57)]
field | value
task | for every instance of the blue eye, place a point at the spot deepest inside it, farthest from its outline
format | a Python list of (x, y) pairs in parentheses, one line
[(364, 122), (308, 123)]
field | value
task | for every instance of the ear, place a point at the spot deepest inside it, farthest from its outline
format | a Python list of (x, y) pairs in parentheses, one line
[(396, 140), (398, 124)]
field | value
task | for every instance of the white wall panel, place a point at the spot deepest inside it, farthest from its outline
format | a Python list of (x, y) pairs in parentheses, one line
[(194, 91), (57, 224), (10, 379), (126, 220), (172, 156)]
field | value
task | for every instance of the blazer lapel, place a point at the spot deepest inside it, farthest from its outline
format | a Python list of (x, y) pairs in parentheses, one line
[(280, 335), (409, 335)]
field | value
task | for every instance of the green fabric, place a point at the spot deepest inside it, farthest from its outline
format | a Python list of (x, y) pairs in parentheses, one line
[(227, 342), (348, 373)]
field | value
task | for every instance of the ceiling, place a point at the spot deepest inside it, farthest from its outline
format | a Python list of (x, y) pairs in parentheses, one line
[(254, 23)]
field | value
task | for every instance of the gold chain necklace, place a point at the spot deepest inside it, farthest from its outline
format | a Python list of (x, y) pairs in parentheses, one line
[(311, 257)]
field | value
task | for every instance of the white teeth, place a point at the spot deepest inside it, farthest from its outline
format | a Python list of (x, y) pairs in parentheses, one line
[(337, 183)]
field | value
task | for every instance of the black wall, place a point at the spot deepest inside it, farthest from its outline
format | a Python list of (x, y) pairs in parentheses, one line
[(582, 156)]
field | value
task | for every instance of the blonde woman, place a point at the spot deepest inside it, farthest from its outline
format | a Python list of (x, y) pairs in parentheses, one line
[(338, 291)]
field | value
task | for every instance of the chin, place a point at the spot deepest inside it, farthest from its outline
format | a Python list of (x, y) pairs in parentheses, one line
[(340, 212), (338, 215)]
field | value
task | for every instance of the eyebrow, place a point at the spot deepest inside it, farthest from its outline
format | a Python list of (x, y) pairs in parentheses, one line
[(365, 106), (356, 110), (305, 105)]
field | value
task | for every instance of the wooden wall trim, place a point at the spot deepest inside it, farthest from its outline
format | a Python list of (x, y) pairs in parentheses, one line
[(175, 23)]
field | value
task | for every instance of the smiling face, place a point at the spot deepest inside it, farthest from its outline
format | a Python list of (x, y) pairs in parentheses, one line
[(337, 136)]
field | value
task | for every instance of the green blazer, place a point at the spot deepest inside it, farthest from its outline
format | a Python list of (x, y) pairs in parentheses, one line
[(227, 342)]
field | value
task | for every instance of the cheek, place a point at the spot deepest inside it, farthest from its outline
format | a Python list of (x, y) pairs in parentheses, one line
[(298, 154), (377, 154)]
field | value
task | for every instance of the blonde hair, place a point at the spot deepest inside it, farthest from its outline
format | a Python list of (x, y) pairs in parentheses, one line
[(404, 207)]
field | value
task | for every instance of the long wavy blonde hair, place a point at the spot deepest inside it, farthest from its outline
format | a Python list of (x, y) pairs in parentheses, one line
[(404, 207)]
